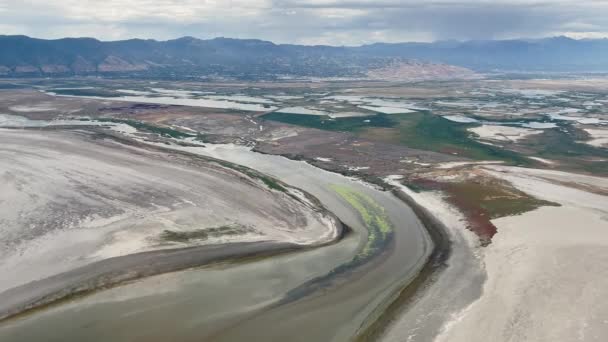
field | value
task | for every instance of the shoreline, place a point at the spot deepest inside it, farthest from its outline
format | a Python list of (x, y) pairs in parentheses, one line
[(117, 270), (439, 235), (535, 263), (112, 271), (379, 318), (435, 263)]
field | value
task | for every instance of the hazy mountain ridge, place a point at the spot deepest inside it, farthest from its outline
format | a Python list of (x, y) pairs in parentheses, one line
[(187, 56), (557, 54)]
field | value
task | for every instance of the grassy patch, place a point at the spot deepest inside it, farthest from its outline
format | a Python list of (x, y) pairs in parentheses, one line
[(421, 130), (270, 182), (352, 124), (416, 187), (87, 92), (202, 234), (495, 198), (562, 145), (431, 132), (483, 199), (375, 218)]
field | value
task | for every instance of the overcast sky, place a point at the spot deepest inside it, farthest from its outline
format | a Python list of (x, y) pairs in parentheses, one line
[(334, 22)]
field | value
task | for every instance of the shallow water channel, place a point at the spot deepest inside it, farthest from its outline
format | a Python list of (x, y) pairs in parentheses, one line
[(258, 299)]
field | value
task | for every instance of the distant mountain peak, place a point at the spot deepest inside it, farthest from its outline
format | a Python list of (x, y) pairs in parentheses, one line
[(254, 58)]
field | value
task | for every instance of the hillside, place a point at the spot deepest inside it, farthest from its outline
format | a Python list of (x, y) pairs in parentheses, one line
[(189, 57)]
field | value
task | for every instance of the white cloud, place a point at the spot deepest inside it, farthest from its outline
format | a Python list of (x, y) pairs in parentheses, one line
[(585, 35), (336, 22), (170, 10)]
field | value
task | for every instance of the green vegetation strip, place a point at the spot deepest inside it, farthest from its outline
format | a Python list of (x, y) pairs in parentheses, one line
[(564, 145), (426, 131), (97, 92), (351, 124), (270, 182), (421, 130), (374, 216), (380, 232), (496, 199), (203, 234)]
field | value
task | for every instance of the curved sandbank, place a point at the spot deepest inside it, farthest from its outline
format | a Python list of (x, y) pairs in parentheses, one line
[(434, 265), (317, 287), (231, 302), (115, 210), (113, 271), (444, 288)]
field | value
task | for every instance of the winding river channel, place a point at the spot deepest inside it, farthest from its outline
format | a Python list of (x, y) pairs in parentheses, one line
[(313, 295)]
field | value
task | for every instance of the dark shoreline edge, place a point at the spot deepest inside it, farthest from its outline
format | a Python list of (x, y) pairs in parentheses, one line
[(434, 265), (117, 271), (436, 262)]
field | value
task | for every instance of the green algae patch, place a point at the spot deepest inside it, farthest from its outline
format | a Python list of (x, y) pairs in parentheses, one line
[(352, 124), (380, 233), (270, 182), (374, 216), (203, 234)]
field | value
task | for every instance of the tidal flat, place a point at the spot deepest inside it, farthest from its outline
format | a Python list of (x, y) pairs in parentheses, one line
[(390, 277), (73, 198), (368, 212)]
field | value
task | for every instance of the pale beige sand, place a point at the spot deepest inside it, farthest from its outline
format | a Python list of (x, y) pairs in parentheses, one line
[(599, 137), (454, 288), (503, 133), (543, 160), (547, 269), (70, 198)]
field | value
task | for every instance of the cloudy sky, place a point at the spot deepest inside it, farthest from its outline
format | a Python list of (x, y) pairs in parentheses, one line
[(334, 22)]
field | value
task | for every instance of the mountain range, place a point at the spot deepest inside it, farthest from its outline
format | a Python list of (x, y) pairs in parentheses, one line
[(251, 58)]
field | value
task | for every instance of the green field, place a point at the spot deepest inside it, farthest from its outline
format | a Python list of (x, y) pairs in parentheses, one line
[(426, 131), (496, 199), (352, 124), (420, 130), (564, 146), (97, 92)]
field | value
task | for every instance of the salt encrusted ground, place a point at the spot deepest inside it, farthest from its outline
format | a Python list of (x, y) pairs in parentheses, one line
[(103, 199), (547, 269), (502, 133)]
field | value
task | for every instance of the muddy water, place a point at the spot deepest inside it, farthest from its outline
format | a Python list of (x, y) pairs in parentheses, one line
[(241, 302)]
